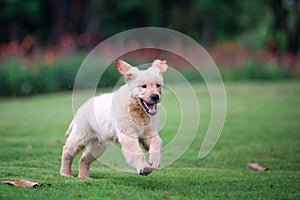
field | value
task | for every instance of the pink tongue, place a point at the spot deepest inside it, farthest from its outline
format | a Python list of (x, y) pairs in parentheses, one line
[(152, 108)]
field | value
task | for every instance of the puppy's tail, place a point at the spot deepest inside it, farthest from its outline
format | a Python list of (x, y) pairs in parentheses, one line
[(69, 129)]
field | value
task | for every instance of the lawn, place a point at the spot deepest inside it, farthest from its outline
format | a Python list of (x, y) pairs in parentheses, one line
[(262, 125)]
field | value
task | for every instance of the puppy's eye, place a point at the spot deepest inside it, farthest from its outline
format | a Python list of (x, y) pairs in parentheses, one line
[(158, 85), (144, 86)]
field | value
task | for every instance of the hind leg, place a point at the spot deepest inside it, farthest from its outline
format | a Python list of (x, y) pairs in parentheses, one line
[(70, 150), (93, 151)]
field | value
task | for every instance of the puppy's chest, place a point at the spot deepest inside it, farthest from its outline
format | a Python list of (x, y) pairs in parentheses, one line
[(137, 114)]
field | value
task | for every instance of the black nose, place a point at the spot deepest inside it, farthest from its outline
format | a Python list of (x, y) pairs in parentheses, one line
[(154, 97)]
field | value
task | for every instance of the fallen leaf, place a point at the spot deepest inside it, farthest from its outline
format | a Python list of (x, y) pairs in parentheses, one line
[(21, 183), (257, 167)]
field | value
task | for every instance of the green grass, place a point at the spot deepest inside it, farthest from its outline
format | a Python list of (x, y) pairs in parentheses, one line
[(262, 125)]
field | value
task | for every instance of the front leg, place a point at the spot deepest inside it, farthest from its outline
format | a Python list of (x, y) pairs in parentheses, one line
[(154, 145), (134, 154)]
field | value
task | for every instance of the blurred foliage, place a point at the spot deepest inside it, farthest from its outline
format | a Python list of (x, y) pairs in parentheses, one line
[(18, 79), (40, 40), (255, 71), (206, 21), (274, 23), (286, 25), (20, 18)]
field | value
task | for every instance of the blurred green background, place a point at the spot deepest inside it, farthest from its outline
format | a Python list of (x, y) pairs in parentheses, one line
[(42, 43)]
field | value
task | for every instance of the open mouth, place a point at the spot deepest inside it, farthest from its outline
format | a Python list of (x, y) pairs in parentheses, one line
[(151, 109)]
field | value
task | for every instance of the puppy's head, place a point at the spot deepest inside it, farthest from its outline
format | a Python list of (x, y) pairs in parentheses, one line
[(145, 85)]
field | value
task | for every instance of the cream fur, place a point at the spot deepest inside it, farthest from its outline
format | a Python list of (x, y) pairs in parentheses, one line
[(119, 117)]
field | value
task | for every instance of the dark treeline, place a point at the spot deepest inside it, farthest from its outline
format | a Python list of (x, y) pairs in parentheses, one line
[(207, 21)]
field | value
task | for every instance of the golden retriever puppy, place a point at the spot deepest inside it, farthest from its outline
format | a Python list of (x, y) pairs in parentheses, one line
[(128, 116)]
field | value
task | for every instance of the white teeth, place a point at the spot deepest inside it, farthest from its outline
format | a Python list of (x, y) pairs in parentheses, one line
[(145, 104), (150, 108)]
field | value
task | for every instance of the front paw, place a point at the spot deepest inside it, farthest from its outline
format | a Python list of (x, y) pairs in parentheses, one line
[(154, 166), (145, 171), (154, 163)]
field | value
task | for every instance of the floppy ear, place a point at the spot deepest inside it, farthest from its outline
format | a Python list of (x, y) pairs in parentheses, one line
[(126, 69), (123, 67), (161, 65)]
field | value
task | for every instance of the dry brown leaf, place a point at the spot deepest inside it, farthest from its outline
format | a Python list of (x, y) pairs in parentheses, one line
[(21, 183), (257, 167)]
